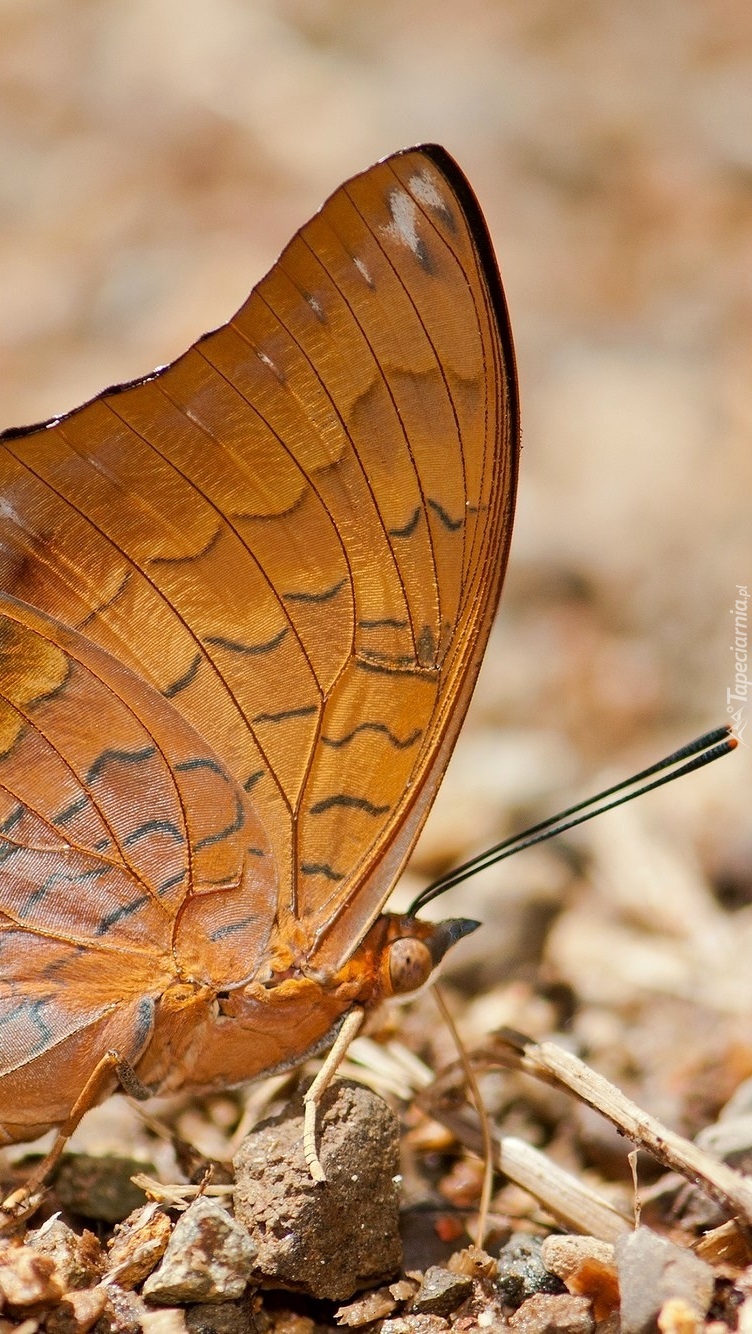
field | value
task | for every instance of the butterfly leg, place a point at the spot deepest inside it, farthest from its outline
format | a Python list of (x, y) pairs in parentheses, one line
[(313, 1095), (28, 1197)]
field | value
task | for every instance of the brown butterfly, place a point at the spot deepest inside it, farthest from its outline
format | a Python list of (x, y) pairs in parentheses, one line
[(243, 604)]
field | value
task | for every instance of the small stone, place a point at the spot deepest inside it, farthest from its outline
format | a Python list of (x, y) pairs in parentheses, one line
[(208, 1258), (138, 1245), (163, 1322), (374, 1306), (651, 1271), (79, 1259), (441, 1292), (100, 1188), (587, 1267), (562, 1255), (677, 1317), (125, 1312), (546, 1313), (27, 1279), (327, 1240), (522, 1271), (404, 1289), (77, 1312)]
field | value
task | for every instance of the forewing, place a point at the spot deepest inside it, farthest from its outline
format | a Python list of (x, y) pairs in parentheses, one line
[(296, 533)]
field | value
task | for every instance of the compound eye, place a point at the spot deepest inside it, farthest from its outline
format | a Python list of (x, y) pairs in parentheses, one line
[(410, 965)]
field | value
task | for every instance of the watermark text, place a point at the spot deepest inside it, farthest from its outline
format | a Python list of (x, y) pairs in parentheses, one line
[(739, 695)]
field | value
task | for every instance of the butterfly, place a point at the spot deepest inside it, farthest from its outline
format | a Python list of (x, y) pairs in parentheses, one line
[(243, 604)]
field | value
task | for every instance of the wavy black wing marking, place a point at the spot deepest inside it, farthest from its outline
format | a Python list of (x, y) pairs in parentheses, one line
[(294, 537)]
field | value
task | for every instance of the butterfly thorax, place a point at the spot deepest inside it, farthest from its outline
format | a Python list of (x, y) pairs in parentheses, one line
[(205, 1038)]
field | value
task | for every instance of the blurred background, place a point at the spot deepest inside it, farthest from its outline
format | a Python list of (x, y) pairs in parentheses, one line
[(155, 157)]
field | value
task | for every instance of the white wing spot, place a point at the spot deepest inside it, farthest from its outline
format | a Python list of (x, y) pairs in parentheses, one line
[(315, 305), (362, 270), (8, 512), (424, 189), (267, 362), (402, 228)]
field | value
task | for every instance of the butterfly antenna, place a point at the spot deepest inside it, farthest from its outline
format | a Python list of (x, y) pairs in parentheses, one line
[(693, 756)]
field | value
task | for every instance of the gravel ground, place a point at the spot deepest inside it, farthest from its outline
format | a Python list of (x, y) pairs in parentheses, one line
[(155, 157)]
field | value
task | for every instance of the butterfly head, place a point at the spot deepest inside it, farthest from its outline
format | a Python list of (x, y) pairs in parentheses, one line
[(415, 949)]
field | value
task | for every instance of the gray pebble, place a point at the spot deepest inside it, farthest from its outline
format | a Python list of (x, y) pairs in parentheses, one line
[(651, 1270), (328, 1240), (441, 1292), (208, 1258)]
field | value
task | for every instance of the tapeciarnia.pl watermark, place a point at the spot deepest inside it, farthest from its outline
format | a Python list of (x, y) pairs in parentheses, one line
[(739, 695)]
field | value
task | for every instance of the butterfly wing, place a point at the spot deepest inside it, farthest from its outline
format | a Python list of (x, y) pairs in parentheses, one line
[(295, 535), (116, 827)]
